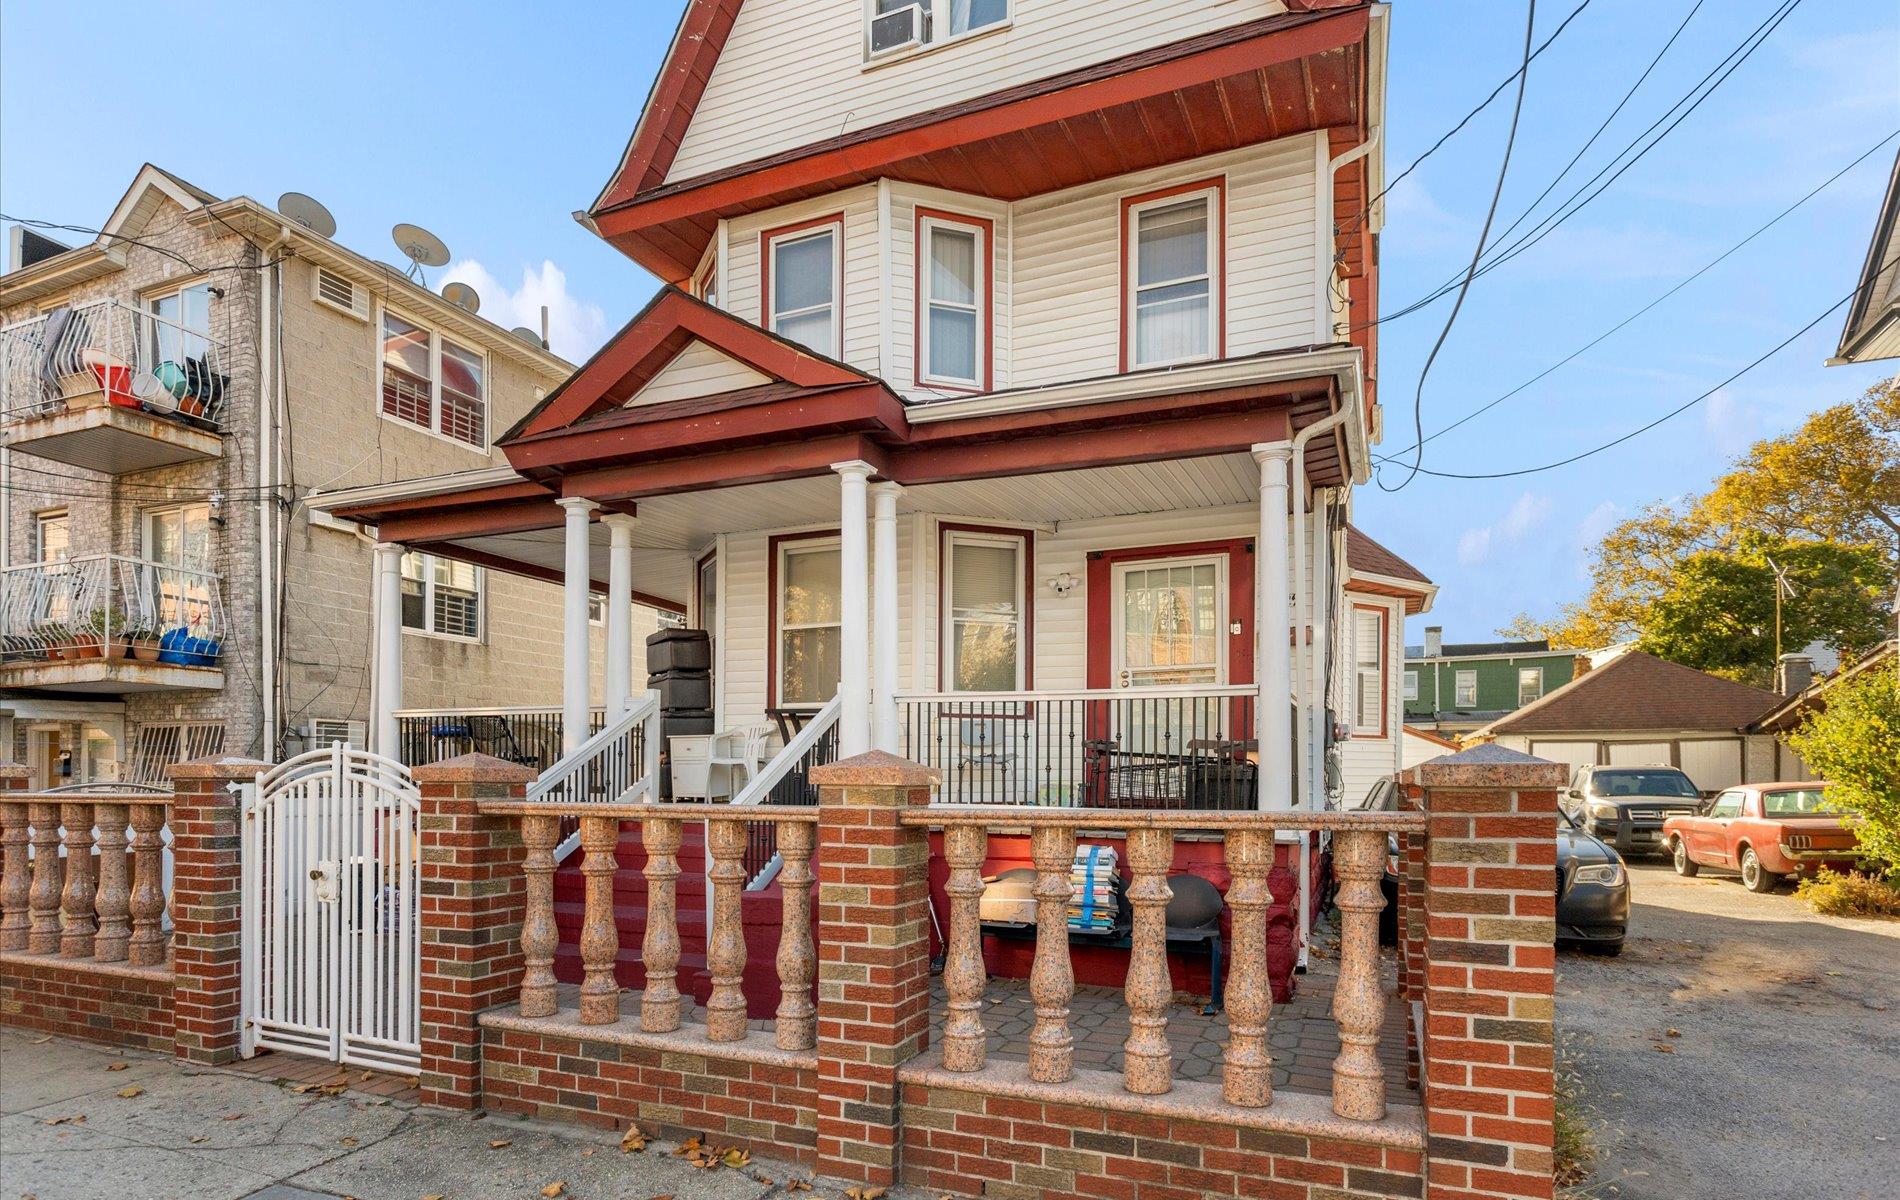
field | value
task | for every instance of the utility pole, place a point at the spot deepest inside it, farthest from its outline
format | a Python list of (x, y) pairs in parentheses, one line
[(1784, 588)]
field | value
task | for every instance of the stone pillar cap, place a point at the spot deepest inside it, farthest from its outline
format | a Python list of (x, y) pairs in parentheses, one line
[(13, 770), (234, 766), (874, 768), (473, 768), (1488, 765)]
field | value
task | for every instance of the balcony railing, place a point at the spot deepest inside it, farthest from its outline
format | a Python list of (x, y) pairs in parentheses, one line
[(528, 735), (112, 353), (104, 606), (1161, 747)]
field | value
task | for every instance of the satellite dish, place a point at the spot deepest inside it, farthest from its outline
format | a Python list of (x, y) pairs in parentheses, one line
[(420, 247), (308, 213), (463, 296), (527, 335)]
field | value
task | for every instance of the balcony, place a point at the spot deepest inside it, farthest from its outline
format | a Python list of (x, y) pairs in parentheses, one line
[(109, 625), (109, 387)]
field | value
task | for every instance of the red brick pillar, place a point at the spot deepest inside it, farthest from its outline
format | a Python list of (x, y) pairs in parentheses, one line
[(873, 958), (206, 822), (1490, 967), (473, 903)]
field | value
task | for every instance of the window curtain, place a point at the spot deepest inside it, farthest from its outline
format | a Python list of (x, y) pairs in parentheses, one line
[(984, 616), (952, 292), (1172, 283), (966, 15), (810, 637)]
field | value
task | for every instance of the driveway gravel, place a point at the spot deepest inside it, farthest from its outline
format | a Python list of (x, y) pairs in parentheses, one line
[(1741, 1046)]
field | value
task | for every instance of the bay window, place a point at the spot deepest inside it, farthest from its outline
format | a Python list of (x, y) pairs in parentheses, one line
[(808, 622), (1368, 670), (1172, 265), (432, 383), (953, 279), (984, 608), (441, 596), (803, 280)]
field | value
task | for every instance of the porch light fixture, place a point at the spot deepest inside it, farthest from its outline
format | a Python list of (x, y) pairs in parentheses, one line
[(1063, 584)]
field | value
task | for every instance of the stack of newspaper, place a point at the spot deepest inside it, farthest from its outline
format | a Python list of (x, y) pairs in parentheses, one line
[(1092, 902)]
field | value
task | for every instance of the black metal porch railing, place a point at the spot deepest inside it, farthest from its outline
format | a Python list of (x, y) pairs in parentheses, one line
[(529, 736)]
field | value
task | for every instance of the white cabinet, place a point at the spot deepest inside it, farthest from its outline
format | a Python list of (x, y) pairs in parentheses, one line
[(688, 754)]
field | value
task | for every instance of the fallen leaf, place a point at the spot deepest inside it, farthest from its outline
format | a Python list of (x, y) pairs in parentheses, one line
[(1665, 1048), (588, 1152), (60, 1120), (632, 1141), (435, 1196), (1672, 1033), (41, 1041), (118, 1066), (498, 1143), (863, 1193), (234, 1116), (735, 1157), (346, 1141), (199, 1137), (367, 1076), (557, 1188), (797, 1185), (126, 1093)]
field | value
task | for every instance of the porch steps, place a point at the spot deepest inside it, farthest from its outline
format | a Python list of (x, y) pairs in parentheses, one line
[(630, 908)]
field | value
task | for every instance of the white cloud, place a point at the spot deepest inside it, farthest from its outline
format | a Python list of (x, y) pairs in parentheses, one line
[(576, 328), (1733, 424), (1474, 546), (1526, 513)]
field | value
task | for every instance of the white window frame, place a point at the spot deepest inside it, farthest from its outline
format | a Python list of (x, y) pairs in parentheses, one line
[(937, 16), (833, 229), (947, 626), (1376, 669), (51, 516), (1458, 681), (436, 338), (1411, 685), (1522, 672), (786, 550), (148, 542), (428, 604), (928, 226), (1213, 197)]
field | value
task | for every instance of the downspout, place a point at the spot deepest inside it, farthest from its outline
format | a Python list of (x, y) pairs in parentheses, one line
[(268, 326)]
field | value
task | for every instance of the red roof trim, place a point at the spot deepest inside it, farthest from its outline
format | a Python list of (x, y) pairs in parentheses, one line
[(675, 97)]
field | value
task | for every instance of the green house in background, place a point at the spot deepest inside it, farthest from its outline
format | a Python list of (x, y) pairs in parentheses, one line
[(1454, 688)]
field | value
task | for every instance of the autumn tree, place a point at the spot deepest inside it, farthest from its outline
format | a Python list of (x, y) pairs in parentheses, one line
[(1854, 743)]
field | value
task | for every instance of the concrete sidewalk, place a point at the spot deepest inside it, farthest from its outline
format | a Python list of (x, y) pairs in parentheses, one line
[(67, 1132)]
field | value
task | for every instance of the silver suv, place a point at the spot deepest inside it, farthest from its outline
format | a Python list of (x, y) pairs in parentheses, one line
[(1626, 806)]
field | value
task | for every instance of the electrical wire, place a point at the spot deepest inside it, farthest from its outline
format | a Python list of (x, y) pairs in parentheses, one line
[(1626, 321), (1677, 411), (1504, 170)]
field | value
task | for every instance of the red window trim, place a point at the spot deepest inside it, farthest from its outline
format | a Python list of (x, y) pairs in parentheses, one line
[(1385, 669), (1028, 647), (987, 228), (1240, 587), (766, 238), (1218, 185), (772, 545)]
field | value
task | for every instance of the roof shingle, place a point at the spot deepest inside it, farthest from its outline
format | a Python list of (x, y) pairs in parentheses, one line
[(1637, 691)]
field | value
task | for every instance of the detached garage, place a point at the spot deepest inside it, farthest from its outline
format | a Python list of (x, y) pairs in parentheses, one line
[(1638, 710)]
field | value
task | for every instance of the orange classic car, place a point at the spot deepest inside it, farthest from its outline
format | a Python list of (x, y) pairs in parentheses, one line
[(1765, 831)]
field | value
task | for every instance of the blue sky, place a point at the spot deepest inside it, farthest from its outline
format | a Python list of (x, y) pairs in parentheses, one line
[(490, 123)]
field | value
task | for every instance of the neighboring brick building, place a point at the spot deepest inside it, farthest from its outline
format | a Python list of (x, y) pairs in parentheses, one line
[(141, 482)]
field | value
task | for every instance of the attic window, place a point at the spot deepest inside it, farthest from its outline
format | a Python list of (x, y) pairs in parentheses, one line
[(893, 28)]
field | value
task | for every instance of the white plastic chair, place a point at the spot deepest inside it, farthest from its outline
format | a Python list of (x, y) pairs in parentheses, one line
[(742, 748)]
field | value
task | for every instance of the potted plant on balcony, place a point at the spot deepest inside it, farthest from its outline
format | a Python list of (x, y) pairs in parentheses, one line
[(55, 639), (89, 635), (110, 626), (141, 640)]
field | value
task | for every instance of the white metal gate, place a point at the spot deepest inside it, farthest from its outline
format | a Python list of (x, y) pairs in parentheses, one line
[(332, 956)]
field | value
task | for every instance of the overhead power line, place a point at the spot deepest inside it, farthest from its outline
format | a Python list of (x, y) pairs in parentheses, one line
[(1677, 411), (1497, 192), (1593, 343)]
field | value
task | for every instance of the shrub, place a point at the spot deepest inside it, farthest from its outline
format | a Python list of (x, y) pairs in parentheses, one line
[(1853, 894), (1854, 744)]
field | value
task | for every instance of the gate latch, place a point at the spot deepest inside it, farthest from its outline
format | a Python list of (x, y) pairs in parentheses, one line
[(325, 875)]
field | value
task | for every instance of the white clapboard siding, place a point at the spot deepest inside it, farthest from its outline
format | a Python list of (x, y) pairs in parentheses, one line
[(862, 298), (904, 329), (1067, 314), (793, 73), (698, 370)]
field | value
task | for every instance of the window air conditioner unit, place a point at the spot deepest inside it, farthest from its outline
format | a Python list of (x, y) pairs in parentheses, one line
[(899, 29), (326, 731)]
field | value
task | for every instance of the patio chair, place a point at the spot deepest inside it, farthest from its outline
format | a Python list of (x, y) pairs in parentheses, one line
[(737, 749)]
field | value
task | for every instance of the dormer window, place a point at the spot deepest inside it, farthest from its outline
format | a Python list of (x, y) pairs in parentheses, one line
[(893, 28)]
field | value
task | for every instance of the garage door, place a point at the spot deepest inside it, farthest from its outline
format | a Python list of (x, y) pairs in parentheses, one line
[(1639, 754), (1571, 754), (1714, 763)]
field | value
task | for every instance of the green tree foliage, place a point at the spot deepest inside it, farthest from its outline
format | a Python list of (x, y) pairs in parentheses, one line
[(1854, 743), (1835, 481), (1716, 612)]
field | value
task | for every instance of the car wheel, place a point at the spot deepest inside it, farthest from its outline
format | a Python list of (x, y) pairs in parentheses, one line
[(1685, 866), (1755, 877), (1607, 949)]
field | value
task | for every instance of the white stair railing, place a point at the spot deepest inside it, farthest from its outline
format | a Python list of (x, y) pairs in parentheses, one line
[(814, 745), (618, 765)]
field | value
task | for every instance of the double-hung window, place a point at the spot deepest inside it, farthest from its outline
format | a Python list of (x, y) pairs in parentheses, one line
[(431, 382), (1465, 689), (1172, 268), (1368, 668), (983, 635), (1530, 684), (1411, 685), (809, 618), (804, 278), (441, 596), (179, 335), (52, 536), (953, 294)]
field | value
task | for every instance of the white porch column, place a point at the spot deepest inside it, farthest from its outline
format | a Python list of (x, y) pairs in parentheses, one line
[(885, 732), (1273, 627), (386, 571), (619, 612), (575, 585), (854, 656)]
